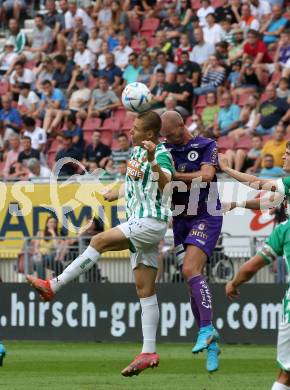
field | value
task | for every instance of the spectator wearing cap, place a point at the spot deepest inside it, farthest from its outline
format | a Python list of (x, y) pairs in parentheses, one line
[(213, 76), (51, 99), (73, 130), (37, 134), (132, 71), (122, 52), (272, 111), (202, 50), (36, 172), (41, 42), (159, 91), (96, 152), (228, 116), (28, 101), (69, 151), (17, 35), (112, 72), (10, 117), (7, 58), (146, 70), (62, 75), (248, 21), (273, 28), (83, 58), (19, 75), (11, 157), (192, 69), (169, 68), (181, 90), (203, 11), (103, 100), (212, 31)]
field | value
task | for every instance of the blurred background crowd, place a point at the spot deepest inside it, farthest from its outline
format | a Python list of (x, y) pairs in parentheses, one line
[(224, 65)]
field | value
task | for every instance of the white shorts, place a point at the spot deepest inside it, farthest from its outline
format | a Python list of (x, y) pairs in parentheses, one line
[(145, 235), (283, 346)]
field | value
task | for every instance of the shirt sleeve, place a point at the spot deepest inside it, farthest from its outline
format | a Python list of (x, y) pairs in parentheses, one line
[(283, 185), (273, 246), (210, 155), (165, 162)]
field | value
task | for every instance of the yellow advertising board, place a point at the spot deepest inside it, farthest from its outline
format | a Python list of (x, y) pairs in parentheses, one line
[(25, 206)]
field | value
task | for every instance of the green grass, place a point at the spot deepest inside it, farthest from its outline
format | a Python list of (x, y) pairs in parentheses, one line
[(88, 366)]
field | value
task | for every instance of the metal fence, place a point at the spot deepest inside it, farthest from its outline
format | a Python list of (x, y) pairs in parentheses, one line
[(48, 257)]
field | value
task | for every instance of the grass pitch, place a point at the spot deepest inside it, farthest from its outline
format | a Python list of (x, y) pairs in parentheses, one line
[(88, 366)]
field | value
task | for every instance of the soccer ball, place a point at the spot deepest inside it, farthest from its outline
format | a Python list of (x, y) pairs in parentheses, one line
[(137, 97)]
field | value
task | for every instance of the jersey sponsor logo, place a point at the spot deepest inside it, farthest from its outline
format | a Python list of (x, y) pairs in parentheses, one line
[(192, 156), (201, 226), (256, 223), (182, 167), (134, 170), (197, 233)]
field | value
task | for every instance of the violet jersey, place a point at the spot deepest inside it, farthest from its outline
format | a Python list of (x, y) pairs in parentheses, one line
[(200, 199)]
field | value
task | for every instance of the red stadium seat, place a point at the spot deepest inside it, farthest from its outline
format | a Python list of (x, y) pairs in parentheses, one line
[(152, 42), (135, 44), (201, 102), (244, 143), (111, 124), (196, 4), (225, 143), (4, 88), (266, 138), (134, 24), (150, 24), (148, 34), (120, 115), (128, 123), (92, 124)]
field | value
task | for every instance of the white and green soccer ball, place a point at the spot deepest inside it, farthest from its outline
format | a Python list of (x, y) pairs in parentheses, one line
[(137, 97)]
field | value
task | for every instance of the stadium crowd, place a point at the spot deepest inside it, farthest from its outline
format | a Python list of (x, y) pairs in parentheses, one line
[(224, 65)]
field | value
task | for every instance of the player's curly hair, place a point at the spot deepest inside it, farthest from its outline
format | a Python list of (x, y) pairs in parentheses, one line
[(151, 121)]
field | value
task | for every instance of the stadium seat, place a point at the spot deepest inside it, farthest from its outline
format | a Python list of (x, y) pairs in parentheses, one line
[(4, 88), (217, 3), (111, 124), (92, 124), (152, 42), (128, 123), (120, 115), (196, 4), (148, 34), (225, 143), (266, 138), (244, 143), (200, 104), (135, 44), (134, 24), (150, 24)]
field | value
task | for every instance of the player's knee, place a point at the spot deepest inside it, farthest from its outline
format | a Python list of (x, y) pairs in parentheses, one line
[(190, 270), (144, 291), (99, 242)]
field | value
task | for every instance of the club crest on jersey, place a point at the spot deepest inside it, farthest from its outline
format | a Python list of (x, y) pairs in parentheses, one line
[(192, 156), (182, 167), (201, 226)]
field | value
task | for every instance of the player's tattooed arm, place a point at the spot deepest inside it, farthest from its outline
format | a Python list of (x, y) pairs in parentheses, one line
[(245, 273)]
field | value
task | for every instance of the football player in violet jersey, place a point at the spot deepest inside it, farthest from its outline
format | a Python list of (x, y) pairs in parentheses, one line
[(197, 221)]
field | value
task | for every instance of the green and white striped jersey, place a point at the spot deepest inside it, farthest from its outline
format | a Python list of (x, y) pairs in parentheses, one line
[(142, 195)]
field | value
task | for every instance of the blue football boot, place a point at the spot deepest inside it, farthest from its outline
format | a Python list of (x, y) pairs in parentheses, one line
[(212, 361), (2, 354), (206, 336)]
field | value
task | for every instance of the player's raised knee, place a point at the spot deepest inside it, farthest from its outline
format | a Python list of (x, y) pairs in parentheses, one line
[(100, 242)]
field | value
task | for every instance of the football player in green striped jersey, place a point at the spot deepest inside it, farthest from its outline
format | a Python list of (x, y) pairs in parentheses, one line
[(147, 192), (277, 244)]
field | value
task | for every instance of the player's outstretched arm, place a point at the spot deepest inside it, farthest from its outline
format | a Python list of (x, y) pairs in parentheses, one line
[(249, 180), (245, 273), (263, 203)]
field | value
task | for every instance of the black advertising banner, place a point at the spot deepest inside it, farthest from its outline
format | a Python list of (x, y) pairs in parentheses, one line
[(111, 312)]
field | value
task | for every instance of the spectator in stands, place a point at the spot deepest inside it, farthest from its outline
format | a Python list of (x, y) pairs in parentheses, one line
[(26, 154), (78, 33), (16, 6), (37, 172), (202, 50), (83, 58), (112, 72), (272, 111), (185, 12), (163, 44), (7, 59), (103, 100), (213, 76), (44, 71), (11, 157), (53, 19), (62, 74), (124, 151), (276, 145), (248, 118), (120, 20), (184, 46), (228, 9), (192, 69), (70, 152), (16, 35), (102, 60), (10, 117), (28, 101), (74, 131), (242, 160), (283, 90), (237, 50), (132, 71), (94, 42), (146, 70), (210, 111), (20, 75), (41, 42), (256, 48), (228, 116), (212, 31), (35, 133), (96, 152), (169, 68), (181, 90), (159, 91), (261, 9), (52, 99), (122, 52), (121, 171), (248, 81), (269, 170), (282, 54), (227, 32), (174, 30), (72, 13), (274, 26), (248, 21), (203, 11)]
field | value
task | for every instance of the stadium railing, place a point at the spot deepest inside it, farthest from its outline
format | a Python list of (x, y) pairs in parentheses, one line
[(45, 259)]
